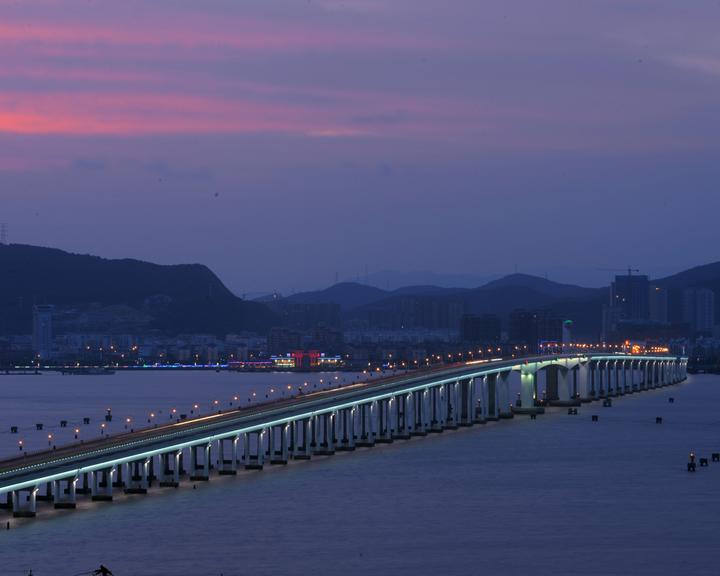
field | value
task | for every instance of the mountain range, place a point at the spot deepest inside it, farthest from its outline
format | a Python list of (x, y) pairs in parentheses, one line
[(97, 294)]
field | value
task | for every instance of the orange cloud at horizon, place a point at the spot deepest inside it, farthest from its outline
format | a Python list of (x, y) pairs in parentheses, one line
[(140, 114)]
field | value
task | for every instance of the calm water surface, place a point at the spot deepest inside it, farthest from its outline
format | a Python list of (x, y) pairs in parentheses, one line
[(557, 495)]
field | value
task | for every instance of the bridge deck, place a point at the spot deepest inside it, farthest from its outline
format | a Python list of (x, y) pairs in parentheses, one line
[(147, 441)]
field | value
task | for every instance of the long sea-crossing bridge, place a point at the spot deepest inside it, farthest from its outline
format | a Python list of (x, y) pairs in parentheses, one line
[(318, 424)]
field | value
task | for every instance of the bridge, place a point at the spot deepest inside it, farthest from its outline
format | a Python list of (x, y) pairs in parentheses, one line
[(321, 423)]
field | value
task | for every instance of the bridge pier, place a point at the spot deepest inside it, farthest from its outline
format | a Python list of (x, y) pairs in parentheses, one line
[(528, 392), (301, 450), (346, 435), (200, 471), (48, 495), (278, 444), (138, 476), (326, 434), (119, 476), (402, 425), (452, 405), (494, 406), (502, 382), (383, 417), (419, 400), (367, 435), (24, 502), (254, 461), (436, 425), (102, 484), (170, 474), (85, 484), (65, 497), (228, 466)]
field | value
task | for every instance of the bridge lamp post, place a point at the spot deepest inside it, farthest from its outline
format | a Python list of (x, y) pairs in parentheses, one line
[(20, 445), (77, 431), (50, 437)]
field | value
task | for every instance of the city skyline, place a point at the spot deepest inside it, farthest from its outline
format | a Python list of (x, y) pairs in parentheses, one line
[(307, 140)]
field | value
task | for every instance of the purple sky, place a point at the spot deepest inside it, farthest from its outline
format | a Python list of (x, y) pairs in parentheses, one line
[(284, 142)]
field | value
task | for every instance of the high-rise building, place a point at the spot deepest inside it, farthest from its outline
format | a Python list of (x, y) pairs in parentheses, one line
[(630, 296), (699, 309), (533, 328), (42, 331), (483, 329), (658, 304)]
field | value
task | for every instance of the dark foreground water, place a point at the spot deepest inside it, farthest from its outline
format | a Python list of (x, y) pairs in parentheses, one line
[(557, 495)]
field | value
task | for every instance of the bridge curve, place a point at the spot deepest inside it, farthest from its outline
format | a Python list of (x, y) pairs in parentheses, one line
[(320, 423)]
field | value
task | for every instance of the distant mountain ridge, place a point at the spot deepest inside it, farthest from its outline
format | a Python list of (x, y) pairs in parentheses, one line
[(179, 298), (93, 293)]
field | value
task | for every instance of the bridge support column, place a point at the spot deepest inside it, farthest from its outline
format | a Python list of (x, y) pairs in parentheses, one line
[(25, 502), (301, 439), (170, 474), (452, 404), (419, 399), (384, 424), (435, 409), (102, 484), (228, 466), (366, 437), (200, 471), (402, 423), (326, 434), (84, 485), (254, 461), (611, 375), (65, 497), (503, 386), (480, 402), (528, 392), (493, 397), (467, 402), (119, 476), (278, 445), (138, 477), (584, 382), (48, 495), (347, 429)]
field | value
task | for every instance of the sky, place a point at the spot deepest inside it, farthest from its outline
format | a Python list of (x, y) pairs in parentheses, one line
[(287, 143)]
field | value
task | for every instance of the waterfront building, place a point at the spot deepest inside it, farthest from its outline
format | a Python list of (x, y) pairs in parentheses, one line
[(699, 309), (43, 331), (630, 295), (658, 304)]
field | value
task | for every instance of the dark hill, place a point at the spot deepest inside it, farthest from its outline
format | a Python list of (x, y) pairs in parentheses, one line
[(345, 294), (184, 298), (707, 276), (541, 286)]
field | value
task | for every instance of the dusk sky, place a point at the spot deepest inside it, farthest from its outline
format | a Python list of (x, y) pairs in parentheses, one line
[(281, 142)]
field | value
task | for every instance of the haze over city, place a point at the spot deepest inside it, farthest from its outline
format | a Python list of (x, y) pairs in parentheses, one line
[(285, 144)]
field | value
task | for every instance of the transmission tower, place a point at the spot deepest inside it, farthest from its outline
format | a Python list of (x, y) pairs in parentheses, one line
[(3, 233)]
